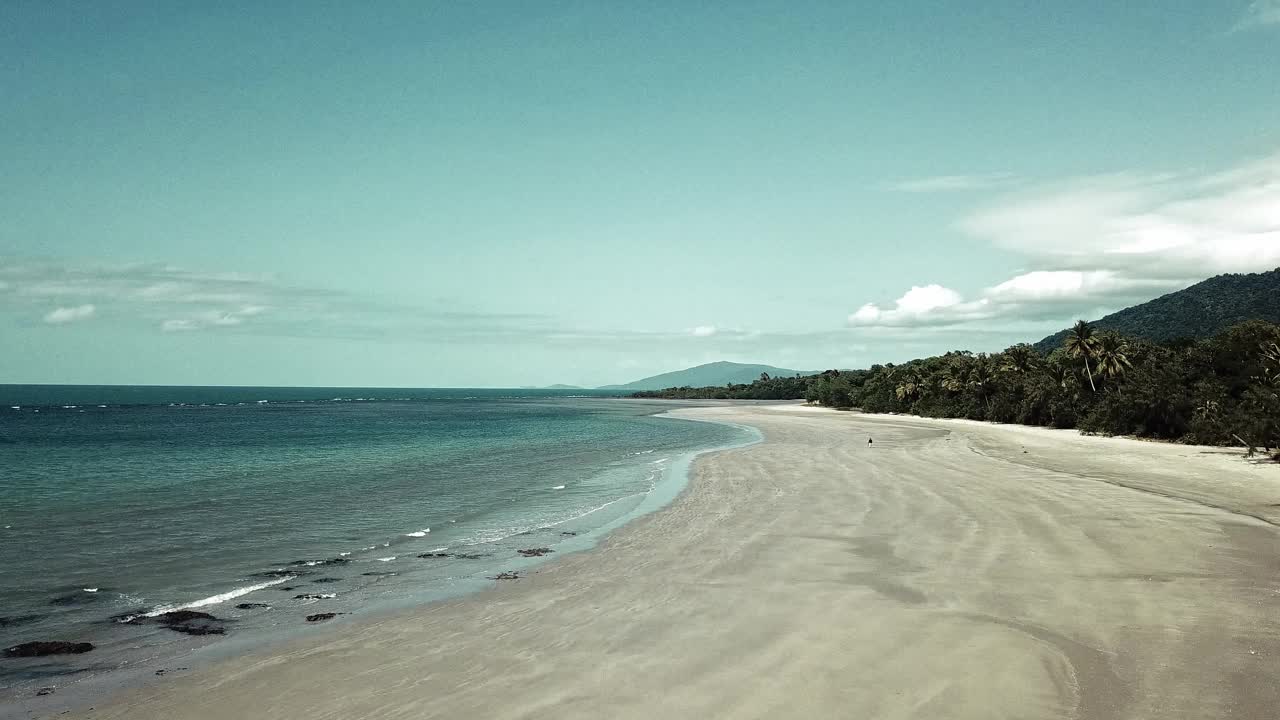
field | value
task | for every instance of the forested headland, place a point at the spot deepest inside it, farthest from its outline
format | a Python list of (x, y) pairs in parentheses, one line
[(1220, 390)]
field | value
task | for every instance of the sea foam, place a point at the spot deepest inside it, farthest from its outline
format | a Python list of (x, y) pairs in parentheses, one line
[(217, 599)]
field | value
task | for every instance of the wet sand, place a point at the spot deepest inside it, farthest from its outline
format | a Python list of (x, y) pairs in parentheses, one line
[(941, 572)]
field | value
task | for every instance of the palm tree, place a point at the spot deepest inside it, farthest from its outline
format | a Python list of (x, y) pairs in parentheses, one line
[(1082, 343), (955, 378), (1112, 355), (1271, 364), (910, 388), (1060, 372), (983, 379), (1020, 358)]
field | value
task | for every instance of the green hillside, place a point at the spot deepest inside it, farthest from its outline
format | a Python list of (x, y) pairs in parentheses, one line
[(1200, 311)]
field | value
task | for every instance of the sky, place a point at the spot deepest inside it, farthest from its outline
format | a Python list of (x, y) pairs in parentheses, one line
[(415, 194)]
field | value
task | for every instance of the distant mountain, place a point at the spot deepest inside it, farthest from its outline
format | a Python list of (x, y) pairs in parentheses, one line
[(1202, 310), (561, 386), (716, 373)]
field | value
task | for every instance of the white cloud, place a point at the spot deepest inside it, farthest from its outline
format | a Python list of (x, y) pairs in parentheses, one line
[(1102, 242), (1052, 286), (952, 183), (1260, 13), (178, 325), (214, 318), (1146, 225), (920, 306), (703, 331), (64, 315)]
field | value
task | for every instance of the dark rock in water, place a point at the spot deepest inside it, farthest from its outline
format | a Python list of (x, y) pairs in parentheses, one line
[(464, 556), (507, 576), (327, 580), (280, 573), (15, 620), (310, 596), (287, 588), (434, 555), (377, 573), (191, 622), (330, 561), (201, 628), (535, 552), (47, 647), (251, 606), (179, 616), (570, 534), (161, 672), (75, 598), (319, 617), (44, 691)]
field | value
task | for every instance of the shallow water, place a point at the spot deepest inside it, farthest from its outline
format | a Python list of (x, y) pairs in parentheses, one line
[(295, 506)]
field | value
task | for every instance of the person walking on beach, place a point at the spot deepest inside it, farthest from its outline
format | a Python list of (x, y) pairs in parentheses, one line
[(869, 442)]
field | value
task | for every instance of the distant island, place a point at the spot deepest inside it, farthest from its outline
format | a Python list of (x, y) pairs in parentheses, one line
[(716, 373)]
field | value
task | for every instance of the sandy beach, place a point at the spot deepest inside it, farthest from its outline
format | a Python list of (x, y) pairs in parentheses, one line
[(948, 570)]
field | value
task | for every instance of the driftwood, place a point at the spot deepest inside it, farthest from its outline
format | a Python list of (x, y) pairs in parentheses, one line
[(1251, 449)]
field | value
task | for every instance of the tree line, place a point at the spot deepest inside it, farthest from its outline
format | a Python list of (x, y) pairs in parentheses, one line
[(1222, 390)]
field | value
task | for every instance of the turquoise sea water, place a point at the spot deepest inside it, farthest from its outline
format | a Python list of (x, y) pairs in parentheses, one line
[(120, 502)]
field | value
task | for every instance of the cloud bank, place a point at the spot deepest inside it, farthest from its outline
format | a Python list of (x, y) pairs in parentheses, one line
[(1260, 13), (172, 299), (1104, 242)]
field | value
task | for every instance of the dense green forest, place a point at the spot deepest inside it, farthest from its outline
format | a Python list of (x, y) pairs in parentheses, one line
[(1222, 390)]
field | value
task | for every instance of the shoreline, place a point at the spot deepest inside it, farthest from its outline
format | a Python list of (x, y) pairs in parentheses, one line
[(831, 575), (103, 685)]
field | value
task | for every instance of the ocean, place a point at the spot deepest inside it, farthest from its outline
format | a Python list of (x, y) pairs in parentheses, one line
[(262, 506)]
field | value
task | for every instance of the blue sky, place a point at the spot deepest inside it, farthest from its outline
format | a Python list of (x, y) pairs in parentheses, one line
[(423, 194)]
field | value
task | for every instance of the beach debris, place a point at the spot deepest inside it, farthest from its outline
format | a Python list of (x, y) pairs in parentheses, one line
[(320, 617), (251, 606), (327, 580), (535, 552), (506, 576), (47, 647), (191, 622), (44, 691), (434, 555)]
